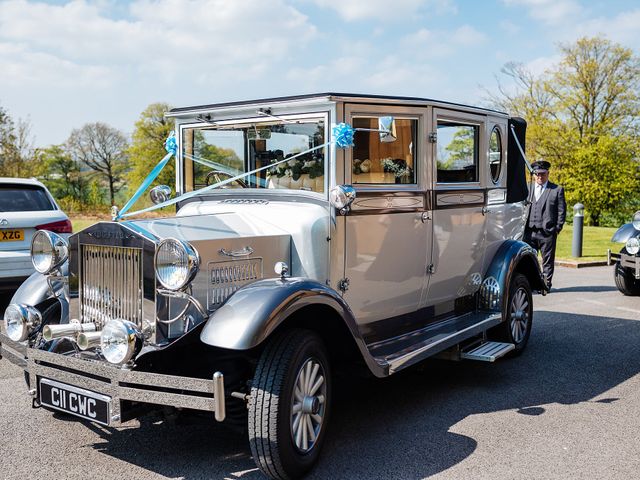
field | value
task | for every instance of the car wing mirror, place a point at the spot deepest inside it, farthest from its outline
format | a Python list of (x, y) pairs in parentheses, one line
[(387, 129), (160, 194)]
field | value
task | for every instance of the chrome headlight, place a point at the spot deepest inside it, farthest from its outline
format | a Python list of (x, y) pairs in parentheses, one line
[(120, 341), (176, 263), (633, 246), (342, 196), (48, 251), (636, 221), (20, 321)]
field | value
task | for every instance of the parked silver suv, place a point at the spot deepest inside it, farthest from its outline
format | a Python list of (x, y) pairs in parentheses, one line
[(310, 232)]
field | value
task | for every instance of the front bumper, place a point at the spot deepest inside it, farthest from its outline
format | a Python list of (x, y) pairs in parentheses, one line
[(117, 383), (628, 261)]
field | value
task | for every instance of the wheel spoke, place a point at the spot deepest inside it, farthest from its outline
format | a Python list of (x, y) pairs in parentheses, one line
[(314, 374), (316, 386), (303, 427), (302, 379), (296, 407), (321, 399), (307, 377), (299, 433), (316, 418), (296, 421), (298, 394), (312, 433)]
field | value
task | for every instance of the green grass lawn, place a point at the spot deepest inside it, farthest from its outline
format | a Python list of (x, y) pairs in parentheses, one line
[(81, 222), (595, 241)]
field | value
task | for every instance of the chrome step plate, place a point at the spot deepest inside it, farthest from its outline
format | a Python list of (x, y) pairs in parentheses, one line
[(488, 351)]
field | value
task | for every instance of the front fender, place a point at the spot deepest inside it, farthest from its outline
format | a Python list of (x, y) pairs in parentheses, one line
[(253, 312), (624, 233), (35, 290), (512, 256)]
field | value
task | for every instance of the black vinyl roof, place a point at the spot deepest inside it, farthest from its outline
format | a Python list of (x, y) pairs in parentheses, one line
[(346, 96)]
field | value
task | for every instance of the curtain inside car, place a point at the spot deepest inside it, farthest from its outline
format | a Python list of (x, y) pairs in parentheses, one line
[(517, 189)]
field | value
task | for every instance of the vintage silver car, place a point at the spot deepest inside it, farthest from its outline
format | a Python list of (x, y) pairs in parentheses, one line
[(626, 271), (310, 232)]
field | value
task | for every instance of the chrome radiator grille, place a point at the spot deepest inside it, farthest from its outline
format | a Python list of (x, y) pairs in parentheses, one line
[(227, 277), (110, 284)]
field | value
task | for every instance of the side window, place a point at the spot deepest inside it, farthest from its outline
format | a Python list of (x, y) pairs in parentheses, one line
[(457, 152), (495, 154), (376, 162)]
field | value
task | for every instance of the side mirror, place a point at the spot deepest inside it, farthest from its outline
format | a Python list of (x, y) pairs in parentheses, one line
[(160, 194), (341, 197), (387, 129)]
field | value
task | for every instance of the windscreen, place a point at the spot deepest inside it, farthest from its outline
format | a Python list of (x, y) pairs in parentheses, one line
[(291, 150), (24, 198)]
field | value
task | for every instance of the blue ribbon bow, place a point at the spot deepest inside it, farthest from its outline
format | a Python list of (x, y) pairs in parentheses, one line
[(343, 135)]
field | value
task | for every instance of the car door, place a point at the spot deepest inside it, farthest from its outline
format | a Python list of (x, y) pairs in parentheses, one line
[(458, 145), (388, 230)]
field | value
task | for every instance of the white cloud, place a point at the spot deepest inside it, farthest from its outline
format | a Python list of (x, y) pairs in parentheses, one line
[(203, 37), (440, 43), (352, 10), (24, 68), (622, 28), (550, 12), (509, 27)]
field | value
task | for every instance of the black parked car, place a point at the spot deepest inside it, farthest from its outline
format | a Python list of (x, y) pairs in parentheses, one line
[(627, 262)]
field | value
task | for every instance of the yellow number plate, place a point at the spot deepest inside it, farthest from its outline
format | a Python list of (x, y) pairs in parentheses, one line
[(11, 235)]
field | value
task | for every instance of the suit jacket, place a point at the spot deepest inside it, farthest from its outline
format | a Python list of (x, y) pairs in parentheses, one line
[(554, 208)]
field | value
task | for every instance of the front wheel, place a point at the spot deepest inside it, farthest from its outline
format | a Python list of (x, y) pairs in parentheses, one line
[(289, 404), (625, 281), (518, 317)]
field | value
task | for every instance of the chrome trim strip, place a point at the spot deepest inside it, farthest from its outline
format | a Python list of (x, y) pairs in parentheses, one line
[(432, 348), (120, 384), (15, 352)]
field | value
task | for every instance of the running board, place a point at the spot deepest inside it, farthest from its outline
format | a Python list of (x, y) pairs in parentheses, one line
[(488, 351)]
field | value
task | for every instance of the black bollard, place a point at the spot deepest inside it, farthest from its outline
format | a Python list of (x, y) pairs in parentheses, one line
[(578, 222)]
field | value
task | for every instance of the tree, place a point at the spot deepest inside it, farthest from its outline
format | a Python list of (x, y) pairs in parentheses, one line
[(147, 146), (16, 147), (60, 173), (583, 117), (104, 150)]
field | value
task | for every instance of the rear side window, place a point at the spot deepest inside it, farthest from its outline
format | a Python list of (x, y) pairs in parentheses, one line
[(457, 153), (24, 198)]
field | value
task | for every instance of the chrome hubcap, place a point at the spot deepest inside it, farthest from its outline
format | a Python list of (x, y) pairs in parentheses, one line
[(519, 313), (308, 405)]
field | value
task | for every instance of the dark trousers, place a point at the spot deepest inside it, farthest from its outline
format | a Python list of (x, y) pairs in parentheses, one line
[(546, 244)]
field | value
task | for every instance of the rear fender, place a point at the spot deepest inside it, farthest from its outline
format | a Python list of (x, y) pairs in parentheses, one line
[(254, 312), (512, 257)]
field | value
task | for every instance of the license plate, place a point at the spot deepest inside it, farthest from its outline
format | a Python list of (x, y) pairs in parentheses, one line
[(11, 235), (76, 401)]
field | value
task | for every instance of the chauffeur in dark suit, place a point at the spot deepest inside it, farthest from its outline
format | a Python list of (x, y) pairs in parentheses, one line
[(546, 216)]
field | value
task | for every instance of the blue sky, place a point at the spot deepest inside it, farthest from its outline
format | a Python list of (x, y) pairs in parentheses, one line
[(66, 63)]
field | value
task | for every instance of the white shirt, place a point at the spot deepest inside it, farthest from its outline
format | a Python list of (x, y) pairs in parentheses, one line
[(539, 190)]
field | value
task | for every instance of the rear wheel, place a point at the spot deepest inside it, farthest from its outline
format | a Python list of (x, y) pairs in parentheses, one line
[(518, 317), (625, 281), (289, 404)]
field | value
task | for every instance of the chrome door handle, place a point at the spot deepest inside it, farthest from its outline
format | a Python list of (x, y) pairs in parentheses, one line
[(485, 210), (425, 216)]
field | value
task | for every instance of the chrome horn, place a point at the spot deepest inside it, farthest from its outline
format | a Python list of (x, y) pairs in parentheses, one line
[(87, 340), (49, 332)]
